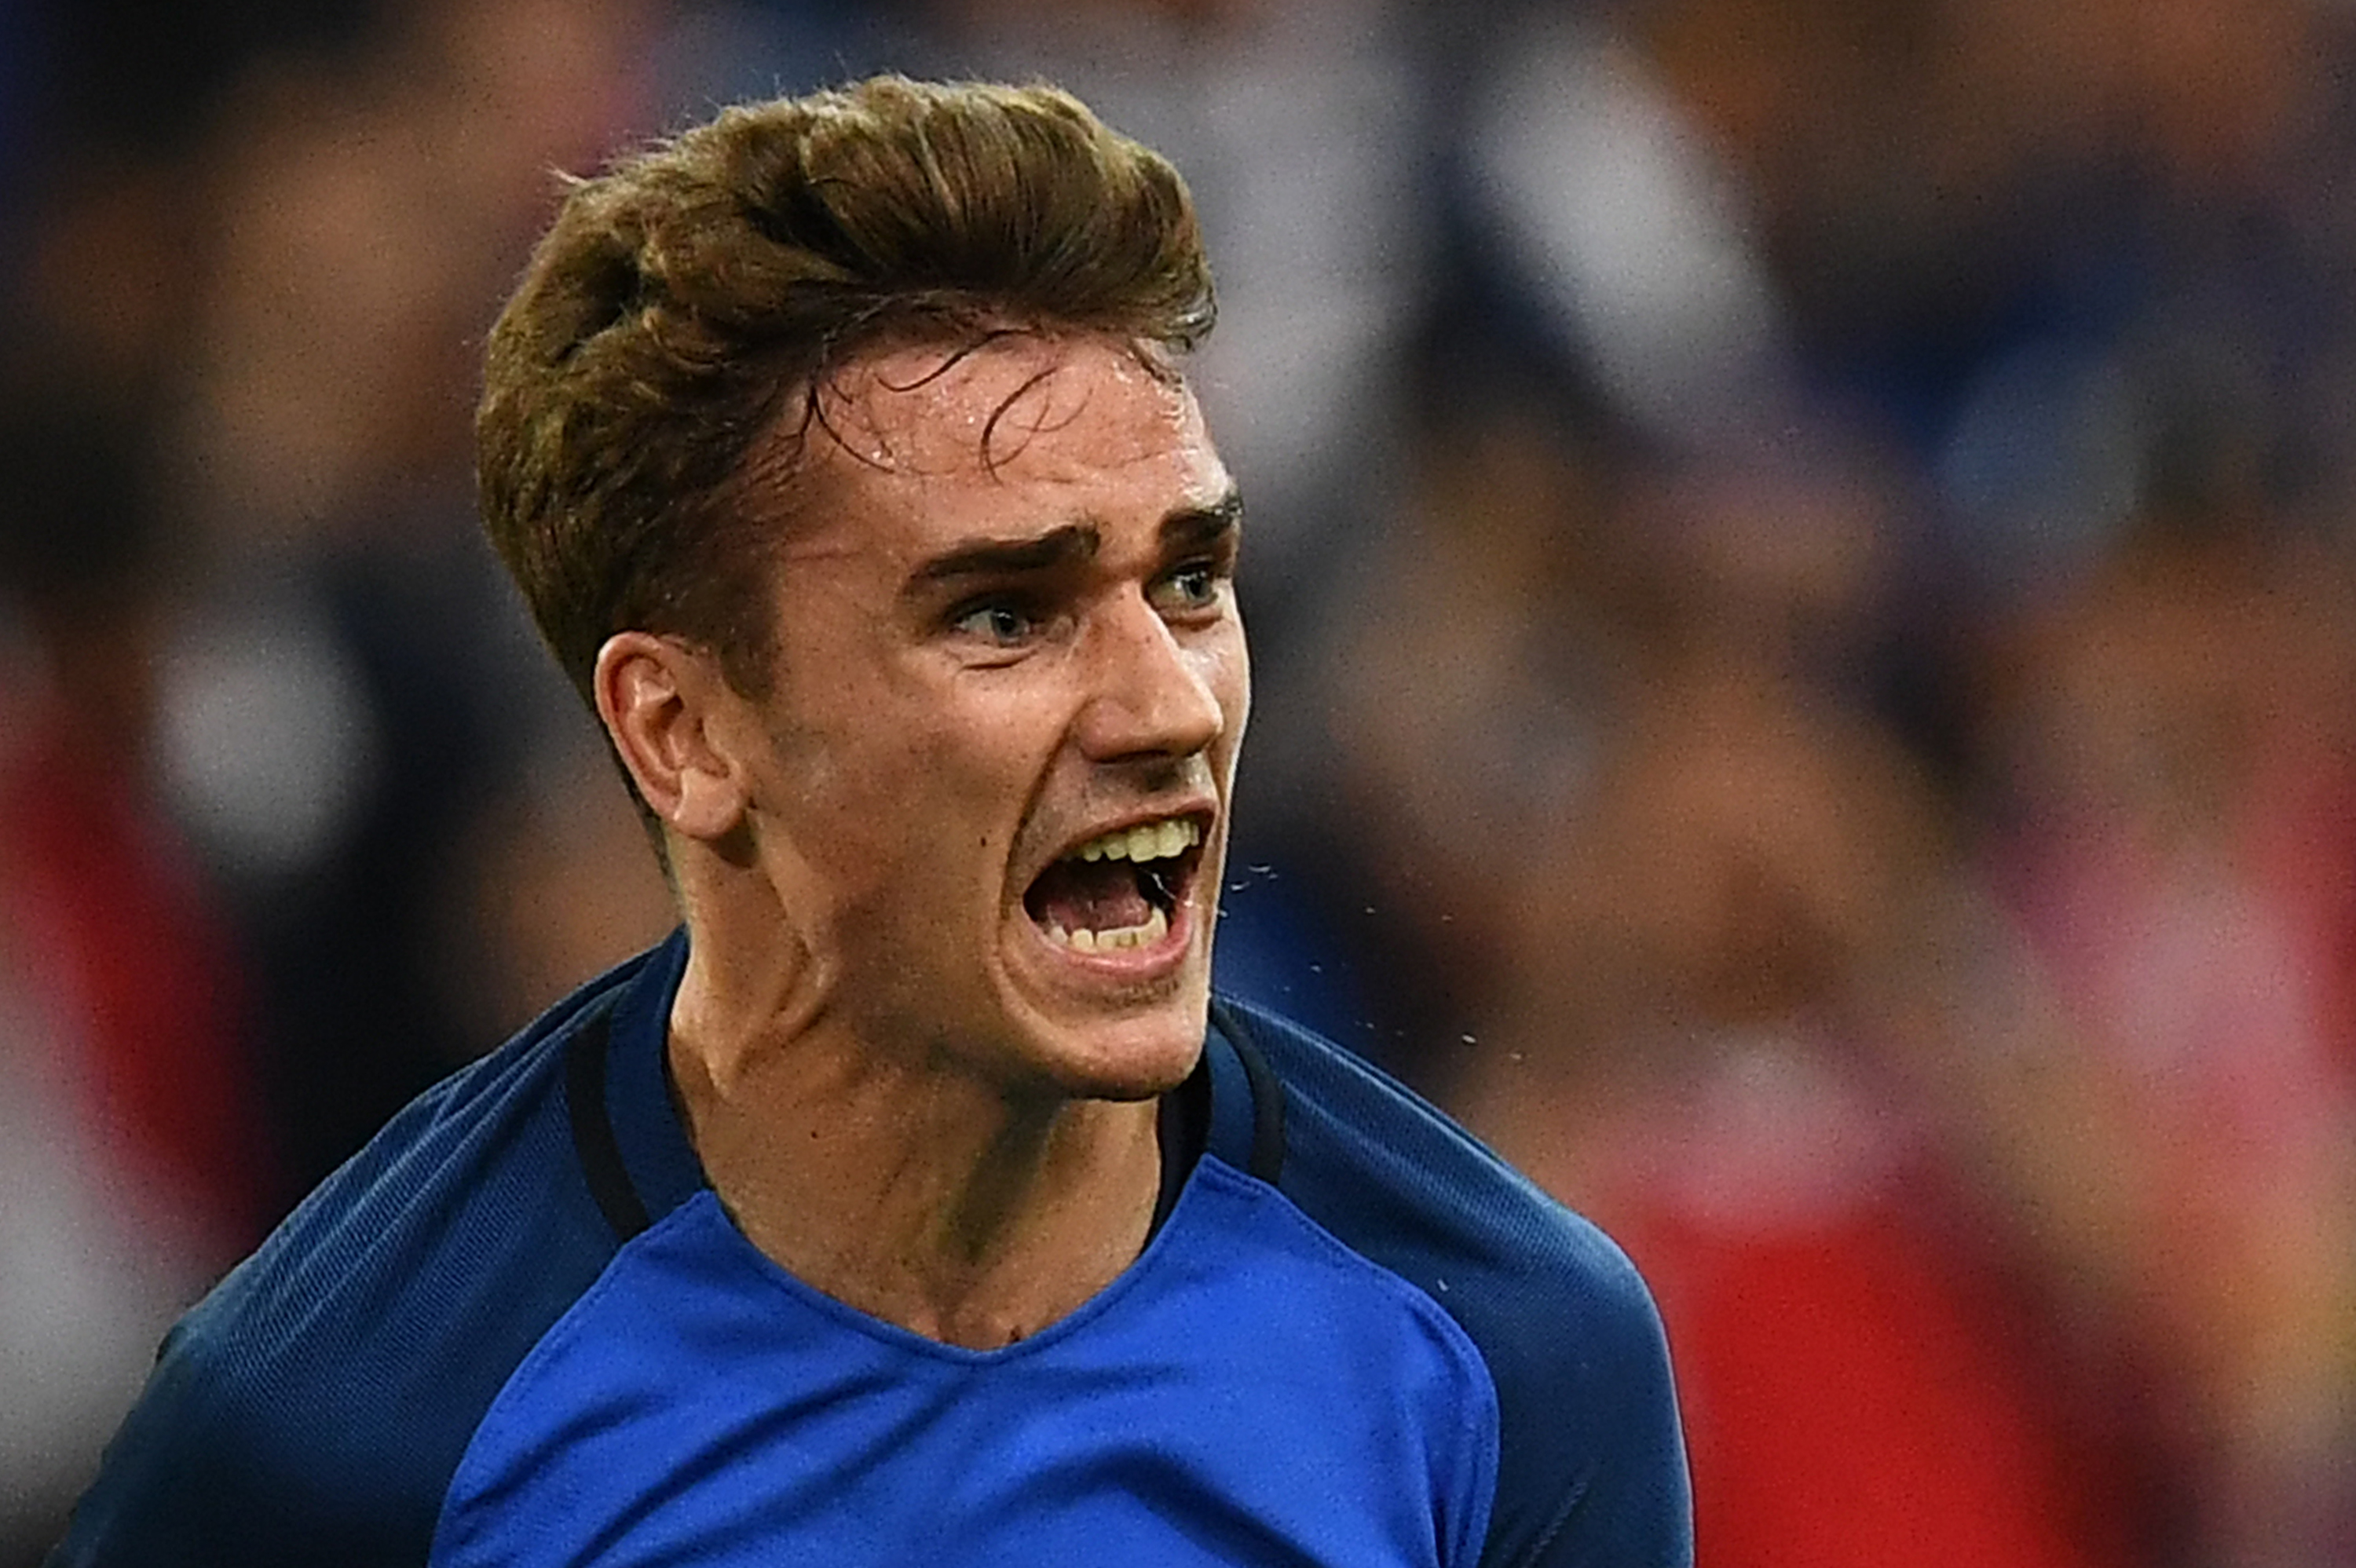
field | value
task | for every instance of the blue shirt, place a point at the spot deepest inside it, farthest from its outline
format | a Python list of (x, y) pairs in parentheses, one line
[(519, 1328)]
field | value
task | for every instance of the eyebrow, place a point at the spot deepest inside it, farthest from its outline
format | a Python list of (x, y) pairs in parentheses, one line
[(1190, 527), (1195, 526), (998, 557)]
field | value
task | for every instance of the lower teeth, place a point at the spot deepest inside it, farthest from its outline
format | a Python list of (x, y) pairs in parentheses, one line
[(1156, 927)]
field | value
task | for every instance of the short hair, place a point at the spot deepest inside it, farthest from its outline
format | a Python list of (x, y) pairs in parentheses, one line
[(684, 298)]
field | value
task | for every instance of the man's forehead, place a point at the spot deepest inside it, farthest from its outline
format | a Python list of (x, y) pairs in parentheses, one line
[(928, 408)]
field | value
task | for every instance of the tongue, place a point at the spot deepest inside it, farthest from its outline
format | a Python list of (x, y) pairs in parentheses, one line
[(1091, 895)]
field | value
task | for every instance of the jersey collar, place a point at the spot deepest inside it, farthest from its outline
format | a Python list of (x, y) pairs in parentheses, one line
[(634, 1147)]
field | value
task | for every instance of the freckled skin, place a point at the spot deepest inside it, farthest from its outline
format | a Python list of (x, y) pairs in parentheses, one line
[(916, 778)]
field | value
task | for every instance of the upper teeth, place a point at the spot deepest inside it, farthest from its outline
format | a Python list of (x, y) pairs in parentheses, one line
[(1146, 841)]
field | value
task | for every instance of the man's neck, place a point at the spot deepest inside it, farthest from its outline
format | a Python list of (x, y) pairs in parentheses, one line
[(921, 1195)]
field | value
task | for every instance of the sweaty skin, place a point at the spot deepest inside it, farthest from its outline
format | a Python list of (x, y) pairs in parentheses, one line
[(1006, 638)]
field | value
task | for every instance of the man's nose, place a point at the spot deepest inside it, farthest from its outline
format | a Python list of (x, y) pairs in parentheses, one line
[(1152, 693)]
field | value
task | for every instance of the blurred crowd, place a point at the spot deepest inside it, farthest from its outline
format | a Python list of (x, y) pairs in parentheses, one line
[(1802, 570)]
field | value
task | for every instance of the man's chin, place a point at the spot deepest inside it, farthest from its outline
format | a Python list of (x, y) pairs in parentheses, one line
[(1133, 1055), (1107, 1030)]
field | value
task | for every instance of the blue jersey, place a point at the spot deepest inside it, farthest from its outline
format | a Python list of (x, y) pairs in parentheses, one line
[(519, 1328)]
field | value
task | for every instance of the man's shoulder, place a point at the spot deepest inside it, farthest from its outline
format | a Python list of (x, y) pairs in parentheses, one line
[(1366, 1154), (403, 1219), (1591, 1457), (315, 1400)]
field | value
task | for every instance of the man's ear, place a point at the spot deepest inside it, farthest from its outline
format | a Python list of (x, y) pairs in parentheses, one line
[(659, 700)]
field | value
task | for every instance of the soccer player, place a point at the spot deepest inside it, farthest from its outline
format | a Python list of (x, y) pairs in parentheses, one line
[(914, 1203)]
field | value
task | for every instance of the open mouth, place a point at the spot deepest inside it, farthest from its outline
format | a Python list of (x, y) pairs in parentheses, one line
[(1120, 890)]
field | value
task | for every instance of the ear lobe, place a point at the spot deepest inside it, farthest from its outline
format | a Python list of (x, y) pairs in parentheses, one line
[(657, 698)]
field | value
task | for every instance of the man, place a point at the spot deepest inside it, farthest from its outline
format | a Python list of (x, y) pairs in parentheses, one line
[(912, 1204)]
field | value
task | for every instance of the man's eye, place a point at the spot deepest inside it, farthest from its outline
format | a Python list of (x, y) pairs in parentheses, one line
[(1193, 587), (1001, 623)]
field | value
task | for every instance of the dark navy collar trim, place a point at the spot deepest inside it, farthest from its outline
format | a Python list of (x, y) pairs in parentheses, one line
[(1262, 1092), (593, 1129), (661, 1162), (1184, 1126)]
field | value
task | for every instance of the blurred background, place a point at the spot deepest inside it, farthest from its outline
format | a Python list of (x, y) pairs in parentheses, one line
[(1803, 574)]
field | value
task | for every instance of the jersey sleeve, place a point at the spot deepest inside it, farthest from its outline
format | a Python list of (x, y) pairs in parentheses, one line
[(163, 1496), (196, 1478), (1590, 1452), (1626, 1497), (311, 1409)]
